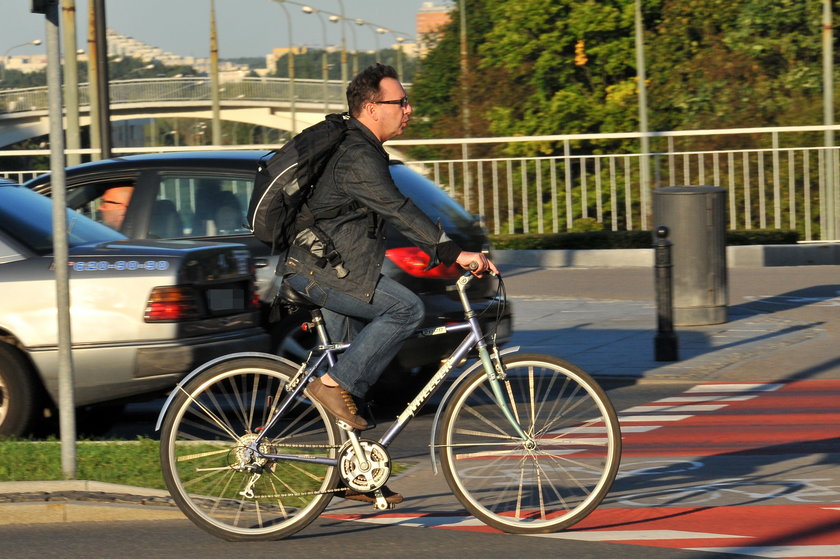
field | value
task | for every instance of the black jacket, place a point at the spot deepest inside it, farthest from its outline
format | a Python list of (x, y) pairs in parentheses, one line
[(357, 177)]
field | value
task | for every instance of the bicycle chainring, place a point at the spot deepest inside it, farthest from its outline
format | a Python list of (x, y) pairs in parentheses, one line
[(378, 466)]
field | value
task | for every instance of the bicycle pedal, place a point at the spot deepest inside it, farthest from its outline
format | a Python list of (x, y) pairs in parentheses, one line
[(347, 427), (381, 503), (344, 425)]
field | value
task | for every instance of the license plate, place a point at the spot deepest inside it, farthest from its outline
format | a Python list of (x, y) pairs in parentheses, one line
[(229, 299)]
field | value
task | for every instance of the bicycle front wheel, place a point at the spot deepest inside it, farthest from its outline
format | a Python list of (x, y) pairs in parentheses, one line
[(212, 475), (549, 480)]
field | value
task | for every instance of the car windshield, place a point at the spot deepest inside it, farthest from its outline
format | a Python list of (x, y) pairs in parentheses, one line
[(430, 198), (27, 217)]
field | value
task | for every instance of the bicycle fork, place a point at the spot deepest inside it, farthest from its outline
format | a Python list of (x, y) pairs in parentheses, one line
[(495, 373)]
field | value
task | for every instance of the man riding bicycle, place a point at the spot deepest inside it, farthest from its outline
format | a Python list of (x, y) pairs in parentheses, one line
[(357, 177)]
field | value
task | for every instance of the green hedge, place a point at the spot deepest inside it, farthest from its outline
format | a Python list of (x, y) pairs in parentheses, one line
[(628, 239)]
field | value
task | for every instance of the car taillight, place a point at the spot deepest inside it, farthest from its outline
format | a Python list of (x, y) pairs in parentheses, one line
[(414, 261), (254, 300), (168, 304)]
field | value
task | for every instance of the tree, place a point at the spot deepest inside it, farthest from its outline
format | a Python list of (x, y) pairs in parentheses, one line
[(540, 67), (723, 64), (568, 66)]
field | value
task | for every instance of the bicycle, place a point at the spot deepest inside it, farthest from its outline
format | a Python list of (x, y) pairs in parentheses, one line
[(528, 443)]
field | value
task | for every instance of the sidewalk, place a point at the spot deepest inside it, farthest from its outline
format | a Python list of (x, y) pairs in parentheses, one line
[(614, 340), (781, 326)]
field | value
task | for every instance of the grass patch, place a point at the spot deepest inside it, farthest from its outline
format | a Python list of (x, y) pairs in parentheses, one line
[(124, 462), (133, 463)]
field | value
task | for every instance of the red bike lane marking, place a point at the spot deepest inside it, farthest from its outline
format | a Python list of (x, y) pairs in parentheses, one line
[(800, 417), (791, 531), (758, 530), (795, 418)]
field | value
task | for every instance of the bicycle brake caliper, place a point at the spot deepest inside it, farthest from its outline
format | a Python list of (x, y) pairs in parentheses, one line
[(497, 363)]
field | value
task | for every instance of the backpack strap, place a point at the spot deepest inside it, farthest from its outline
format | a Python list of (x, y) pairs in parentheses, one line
[(324, 249)]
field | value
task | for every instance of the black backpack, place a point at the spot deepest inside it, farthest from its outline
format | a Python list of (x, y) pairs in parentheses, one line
[(285, 178)]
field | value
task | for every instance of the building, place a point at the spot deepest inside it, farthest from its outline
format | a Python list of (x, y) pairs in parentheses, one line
[(123, 45), (25, 63), (431, 18)]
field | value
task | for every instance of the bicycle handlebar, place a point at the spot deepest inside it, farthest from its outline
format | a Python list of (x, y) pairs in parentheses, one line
[(474, 266)]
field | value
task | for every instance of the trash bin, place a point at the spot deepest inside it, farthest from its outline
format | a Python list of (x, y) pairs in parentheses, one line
[(696, 220)]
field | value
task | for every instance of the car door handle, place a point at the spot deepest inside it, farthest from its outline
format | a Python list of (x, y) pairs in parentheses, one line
[(260, 262)]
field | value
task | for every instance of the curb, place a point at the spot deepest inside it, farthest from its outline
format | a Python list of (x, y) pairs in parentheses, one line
[(50, 502)]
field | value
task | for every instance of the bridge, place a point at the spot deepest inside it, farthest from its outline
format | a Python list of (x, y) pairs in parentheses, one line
[(776, 177), (260, 101)]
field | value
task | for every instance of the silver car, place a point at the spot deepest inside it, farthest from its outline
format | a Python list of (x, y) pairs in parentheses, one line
[(143, 313)]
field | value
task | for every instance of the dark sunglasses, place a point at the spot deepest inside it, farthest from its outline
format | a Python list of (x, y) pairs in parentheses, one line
[(401, 102)]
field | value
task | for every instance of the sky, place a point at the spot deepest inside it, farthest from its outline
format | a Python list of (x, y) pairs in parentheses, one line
[(245, 27)]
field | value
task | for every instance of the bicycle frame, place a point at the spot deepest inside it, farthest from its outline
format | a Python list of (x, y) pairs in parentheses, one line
[(473, 340)]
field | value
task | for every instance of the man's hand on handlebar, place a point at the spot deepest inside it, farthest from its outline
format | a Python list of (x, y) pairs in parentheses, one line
[(477, 262)]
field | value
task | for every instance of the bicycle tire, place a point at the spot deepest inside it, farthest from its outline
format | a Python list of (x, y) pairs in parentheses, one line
[(543, 489), (208, 425)]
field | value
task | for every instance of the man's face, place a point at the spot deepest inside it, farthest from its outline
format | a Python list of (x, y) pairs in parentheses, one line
[(113, 205), (393, 117)]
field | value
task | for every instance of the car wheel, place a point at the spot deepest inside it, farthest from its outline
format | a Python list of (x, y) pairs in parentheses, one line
[(17, 393)]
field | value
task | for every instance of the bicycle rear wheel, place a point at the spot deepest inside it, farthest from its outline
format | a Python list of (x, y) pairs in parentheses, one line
[(205, 437), (550, 482)]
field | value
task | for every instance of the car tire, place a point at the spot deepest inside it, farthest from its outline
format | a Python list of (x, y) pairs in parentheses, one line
[(18, 395)]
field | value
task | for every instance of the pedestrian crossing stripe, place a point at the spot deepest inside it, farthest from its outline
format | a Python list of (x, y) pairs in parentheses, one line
[(780, 551)]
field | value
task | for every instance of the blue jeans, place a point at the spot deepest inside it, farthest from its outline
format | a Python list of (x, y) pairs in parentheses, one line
[(391, 317)]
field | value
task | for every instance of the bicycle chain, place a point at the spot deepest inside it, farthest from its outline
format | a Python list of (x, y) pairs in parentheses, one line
[(304, 494)]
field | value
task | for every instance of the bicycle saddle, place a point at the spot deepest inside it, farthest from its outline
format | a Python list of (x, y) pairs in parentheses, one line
[(293, 298)]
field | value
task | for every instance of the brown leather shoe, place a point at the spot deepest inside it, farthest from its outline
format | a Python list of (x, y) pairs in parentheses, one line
[(338, 402), (391, 497)]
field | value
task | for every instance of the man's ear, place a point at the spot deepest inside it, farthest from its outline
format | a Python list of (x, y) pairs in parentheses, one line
[(372, 112)]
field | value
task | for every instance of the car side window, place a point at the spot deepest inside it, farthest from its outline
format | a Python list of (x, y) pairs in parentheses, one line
[(105, 203), (192, 205)]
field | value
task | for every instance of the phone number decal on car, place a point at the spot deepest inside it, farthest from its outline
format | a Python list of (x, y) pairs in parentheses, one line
[(119, 265)]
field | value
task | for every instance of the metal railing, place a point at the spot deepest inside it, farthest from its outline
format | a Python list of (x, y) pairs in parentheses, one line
[(162, 90), (776, 178), (781, 179)]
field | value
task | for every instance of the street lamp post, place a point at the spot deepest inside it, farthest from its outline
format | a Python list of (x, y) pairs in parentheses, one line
[(290, 59), (72, 135), (344, 76), (380, 31), (36, 42), (400, 41), (355, 51), (215, 101), (644, 160), (338, 19), (830, 230), (324, 66)]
